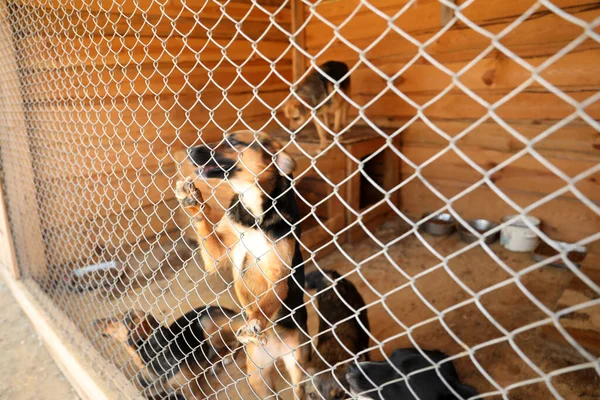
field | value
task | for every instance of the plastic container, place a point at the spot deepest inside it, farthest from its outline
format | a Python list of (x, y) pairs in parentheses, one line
[(518, 237)]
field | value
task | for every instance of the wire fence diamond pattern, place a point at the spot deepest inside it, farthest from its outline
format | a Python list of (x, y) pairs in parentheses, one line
[(99, 98)]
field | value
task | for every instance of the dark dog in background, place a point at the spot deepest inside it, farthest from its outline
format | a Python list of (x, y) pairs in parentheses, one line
[(348, 338), (170, 358), (256, 239), (315, 91), (379, 380)]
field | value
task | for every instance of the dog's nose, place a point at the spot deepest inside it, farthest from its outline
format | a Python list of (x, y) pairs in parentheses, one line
[(194, 150), (352, 371), (198, 155)]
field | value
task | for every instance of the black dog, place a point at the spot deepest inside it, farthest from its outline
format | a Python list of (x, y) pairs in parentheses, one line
[(379, 380)]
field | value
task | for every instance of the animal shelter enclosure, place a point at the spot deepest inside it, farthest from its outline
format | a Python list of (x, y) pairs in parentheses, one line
[(459, 197)]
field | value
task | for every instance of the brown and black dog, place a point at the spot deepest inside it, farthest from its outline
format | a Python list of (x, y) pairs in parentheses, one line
[(315, 91), (256, 238), (169, 359), (343, 335)]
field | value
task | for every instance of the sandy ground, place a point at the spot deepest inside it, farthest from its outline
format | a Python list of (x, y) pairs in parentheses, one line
[(26, 368), (402, 319)]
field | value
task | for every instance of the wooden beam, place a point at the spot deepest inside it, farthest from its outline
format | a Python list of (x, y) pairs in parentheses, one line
[(17, 162), (446, 13), (393, 176), (238, 10), (7, 250), (84, 375), (298, 62)]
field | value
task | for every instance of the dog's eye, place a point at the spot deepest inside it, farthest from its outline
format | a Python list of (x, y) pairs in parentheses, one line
[(313, 396), (296, 119)]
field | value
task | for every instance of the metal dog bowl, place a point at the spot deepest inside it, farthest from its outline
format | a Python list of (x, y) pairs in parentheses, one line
[(545, 251), (440, 225), (481, 226)]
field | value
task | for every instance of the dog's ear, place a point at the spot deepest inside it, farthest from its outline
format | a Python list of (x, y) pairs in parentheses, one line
[(285, 163), (140, 325), (287, 109), (303, 109), (112, 327)]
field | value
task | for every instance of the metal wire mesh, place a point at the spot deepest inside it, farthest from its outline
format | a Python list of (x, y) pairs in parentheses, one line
[(101, 100)]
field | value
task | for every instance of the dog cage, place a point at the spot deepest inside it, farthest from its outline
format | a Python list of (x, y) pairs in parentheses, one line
[(459, 110)]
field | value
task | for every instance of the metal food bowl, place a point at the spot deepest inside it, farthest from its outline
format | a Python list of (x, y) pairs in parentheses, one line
[(481, 226), (545, 251), (440, 225)]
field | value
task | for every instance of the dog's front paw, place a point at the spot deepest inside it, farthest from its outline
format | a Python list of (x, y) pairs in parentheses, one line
[(187, 193), (251, 333)]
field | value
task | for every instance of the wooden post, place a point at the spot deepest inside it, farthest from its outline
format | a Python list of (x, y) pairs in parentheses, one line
[(298, 64), (393, 175), (16, 159), (446, 13), (7, 250)]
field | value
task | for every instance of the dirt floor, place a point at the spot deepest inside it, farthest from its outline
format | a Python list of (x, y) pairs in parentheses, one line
[(28, 372), (404, 301), (401, 319)]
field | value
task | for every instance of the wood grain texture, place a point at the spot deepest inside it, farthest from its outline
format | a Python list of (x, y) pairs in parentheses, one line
[(58, 52), (18, 162), (446, 13), (113, 93), (299, 61), (8, 258), (64, 22), (236, 9), (573, 148)]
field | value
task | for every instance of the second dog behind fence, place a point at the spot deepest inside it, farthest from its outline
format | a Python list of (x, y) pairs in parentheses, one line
[(317, 93), (343, 335)]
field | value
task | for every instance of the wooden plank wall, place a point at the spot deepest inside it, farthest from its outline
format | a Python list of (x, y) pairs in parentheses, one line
[(572, 149), (112, 92), (17, 167)]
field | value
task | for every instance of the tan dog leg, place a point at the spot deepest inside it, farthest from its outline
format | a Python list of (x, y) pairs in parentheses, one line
[(211, 248), (337, 119), (322, 132), (344, 108), (259, 368), (294, 362)]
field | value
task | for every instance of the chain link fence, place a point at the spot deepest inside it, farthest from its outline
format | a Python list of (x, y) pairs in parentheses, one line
[(457, 111)]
